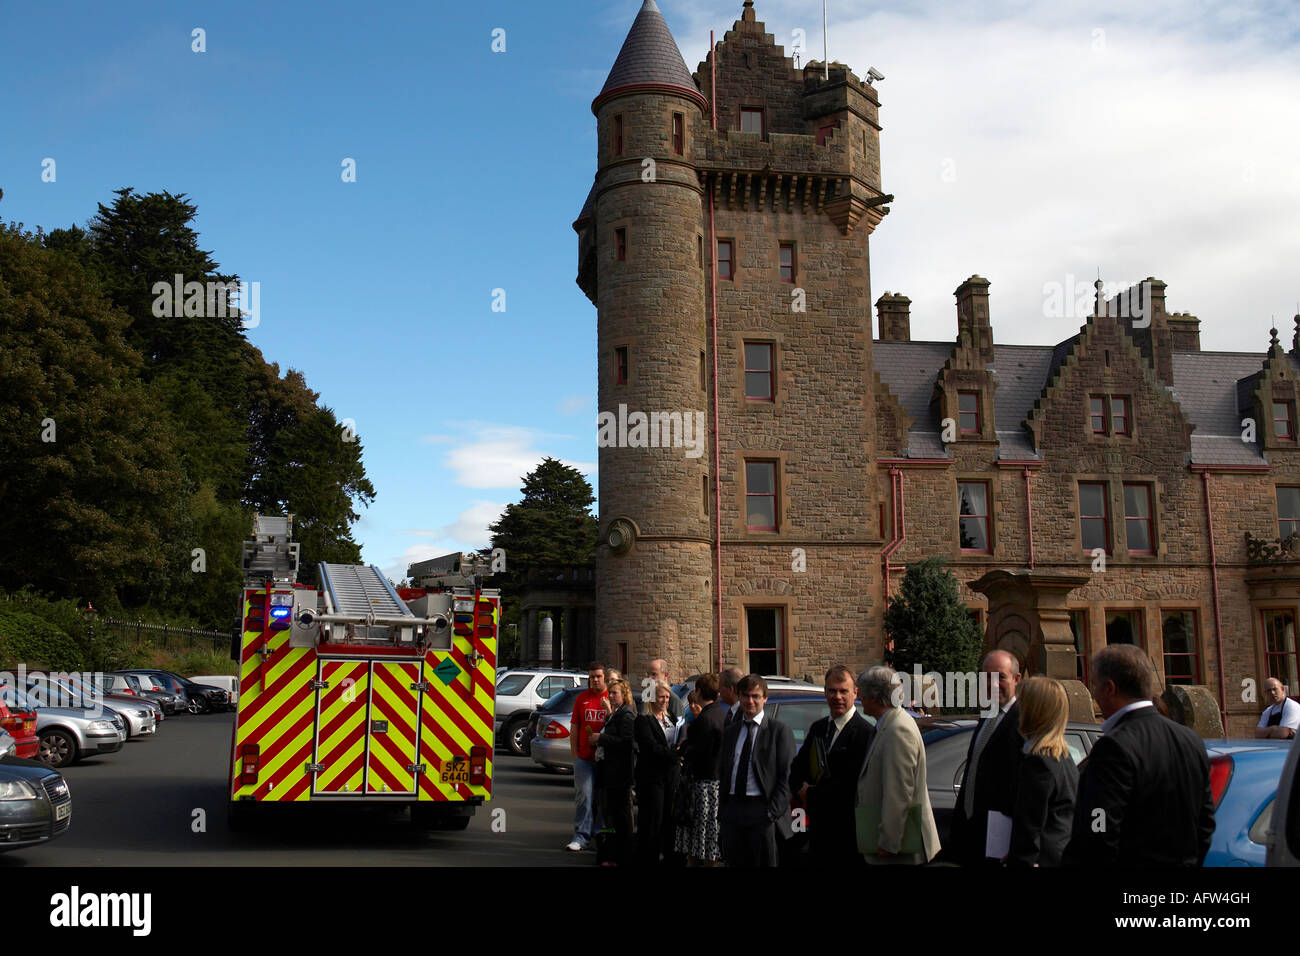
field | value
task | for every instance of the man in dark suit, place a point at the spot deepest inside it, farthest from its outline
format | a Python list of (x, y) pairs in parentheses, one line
[(1144, 791), (992, 765), (825, 773), (754, 786)]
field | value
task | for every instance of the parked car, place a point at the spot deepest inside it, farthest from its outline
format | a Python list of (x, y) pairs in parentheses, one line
[(200, 698), (1284, 820), (946, 743), (227, 682), (20, 726), (139, 715), (519, 692), (1244, 777), (548, 728), (166, 701), (67, 734), (35, 803)]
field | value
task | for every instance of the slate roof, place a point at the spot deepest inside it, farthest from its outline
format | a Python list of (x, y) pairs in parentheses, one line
[(1214, 390), (649, 55)]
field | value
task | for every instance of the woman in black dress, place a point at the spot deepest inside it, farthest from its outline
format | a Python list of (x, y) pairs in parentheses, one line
[(615, 751), (657, 764)]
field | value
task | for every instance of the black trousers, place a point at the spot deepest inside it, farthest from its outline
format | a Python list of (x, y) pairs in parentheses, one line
[(618, 814), (655, 826), (747, 836)]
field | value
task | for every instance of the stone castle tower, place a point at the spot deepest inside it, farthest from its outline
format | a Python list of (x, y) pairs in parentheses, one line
[(725, 246)]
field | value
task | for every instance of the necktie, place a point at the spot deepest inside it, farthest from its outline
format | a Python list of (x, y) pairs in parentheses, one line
[(968, 794), (741, 785)]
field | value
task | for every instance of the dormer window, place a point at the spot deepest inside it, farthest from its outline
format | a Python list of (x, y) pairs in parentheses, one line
[(751, 120), (968, 412), (1284, 421)]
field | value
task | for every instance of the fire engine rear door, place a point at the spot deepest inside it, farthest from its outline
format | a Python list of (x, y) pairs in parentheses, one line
[(342, 700), (394, 717)]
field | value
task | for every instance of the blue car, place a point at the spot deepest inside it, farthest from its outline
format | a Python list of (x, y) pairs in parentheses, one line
[(1244, 776)]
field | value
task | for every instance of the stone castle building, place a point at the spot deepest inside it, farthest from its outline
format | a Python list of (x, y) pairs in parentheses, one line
[(1105, 489)]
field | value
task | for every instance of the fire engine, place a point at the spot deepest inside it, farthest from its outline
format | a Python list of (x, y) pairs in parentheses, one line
[(353, 691)]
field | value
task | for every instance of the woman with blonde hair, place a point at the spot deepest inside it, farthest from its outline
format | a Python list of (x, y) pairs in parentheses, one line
[(615, 751), (1048, 780)]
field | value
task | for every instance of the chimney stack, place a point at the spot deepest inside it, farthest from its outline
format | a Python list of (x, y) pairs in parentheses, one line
[(1186, 331), (973, 326), (895, 312)]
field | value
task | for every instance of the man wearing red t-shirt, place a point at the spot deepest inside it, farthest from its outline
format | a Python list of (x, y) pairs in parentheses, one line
[(590, 711)]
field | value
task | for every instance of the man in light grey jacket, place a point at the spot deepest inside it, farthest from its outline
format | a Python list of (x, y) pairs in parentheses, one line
[(892, 780)]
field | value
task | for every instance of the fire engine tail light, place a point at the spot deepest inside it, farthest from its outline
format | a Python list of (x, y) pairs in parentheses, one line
[(249, 757), (477, 766)]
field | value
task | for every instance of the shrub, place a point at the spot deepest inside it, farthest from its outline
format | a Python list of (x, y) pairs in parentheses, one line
[(35, 641)]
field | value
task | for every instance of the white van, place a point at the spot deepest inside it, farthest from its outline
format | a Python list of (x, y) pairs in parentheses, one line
[(226, 682)]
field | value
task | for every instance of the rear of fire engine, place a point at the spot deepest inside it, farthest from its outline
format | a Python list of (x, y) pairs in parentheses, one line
[(353, 692)]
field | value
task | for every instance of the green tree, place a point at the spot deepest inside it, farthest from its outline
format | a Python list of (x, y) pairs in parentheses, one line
[(94, 502), (551, 525), (929, 624)]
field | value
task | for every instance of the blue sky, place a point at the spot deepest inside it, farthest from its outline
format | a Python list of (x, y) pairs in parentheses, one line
[(1033, 143)]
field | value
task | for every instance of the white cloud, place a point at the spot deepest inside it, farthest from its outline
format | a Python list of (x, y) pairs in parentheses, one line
[(1167, 149), (468, 532), (499, 456)]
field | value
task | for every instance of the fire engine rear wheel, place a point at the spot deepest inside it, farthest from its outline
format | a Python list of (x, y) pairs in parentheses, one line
[(517, 737)]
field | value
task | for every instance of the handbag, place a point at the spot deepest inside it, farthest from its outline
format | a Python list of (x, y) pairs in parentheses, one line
[(868, 829)]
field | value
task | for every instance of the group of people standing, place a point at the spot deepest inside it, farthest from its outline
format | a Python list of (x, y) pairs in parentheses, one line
[(723, 781)]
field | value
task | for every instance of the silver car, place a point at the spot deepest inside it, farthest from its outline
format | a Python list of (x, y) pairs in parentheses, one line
[(69, 733), (141, 716)]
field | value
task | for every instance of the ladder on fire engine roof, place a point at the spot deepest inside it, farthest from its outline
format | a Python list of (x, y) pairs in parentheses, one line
[(271, 555), (356, 590)]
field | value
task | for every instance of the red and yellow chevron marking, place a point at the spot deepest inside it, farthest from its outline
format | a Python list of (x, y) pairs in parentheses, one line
[(341, 739), (276, 711), (393, 751)]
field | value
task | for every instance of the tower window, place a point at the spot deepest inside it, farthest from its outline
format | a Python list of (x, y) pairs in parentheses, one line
[(618, 135), (760, 496), (620, 244), (751, 120), (679, 133), (726, 259), (968, 412), (787, 261), (620, 365), (758, 371)]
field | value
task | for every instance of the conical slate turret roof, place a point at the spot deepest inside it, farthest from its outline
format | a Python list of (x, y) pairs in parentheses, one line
[(649, 58)]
